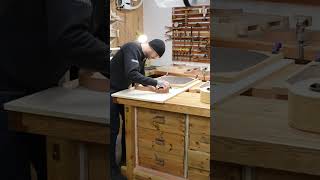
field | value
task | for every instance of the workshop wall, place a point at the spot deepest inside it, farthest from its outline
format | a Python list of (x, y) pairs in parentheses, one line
[(155, 19), (273, 8)]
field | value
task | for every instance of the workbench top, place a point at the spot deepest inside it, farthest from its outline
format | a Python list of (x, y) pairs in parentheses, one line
[(186, 102), (79, 104), (255, 132)]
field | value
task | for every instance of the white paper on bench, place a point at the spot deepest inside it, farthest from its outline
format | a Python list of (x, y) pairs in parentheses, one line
[(149, 96)]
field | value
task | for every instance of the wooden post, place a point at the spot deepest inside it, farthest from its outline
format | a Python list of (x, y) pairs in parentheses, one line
[(130, 140)]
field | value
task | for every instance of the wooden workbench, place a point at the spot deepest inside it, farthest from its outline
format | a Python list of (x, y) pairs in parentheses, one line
[(252, 140), (169, 140), (254, 132), (76, 125), (274, 86)]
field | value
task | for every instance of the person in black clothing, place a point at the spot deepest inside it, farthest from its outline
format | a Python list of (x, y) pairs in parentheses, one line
[(40, 41), (127, 67)]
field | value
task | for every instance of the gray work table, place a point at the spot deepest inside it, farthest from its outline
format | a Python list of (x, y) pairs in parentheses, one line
[(75, 123), (78, 104)]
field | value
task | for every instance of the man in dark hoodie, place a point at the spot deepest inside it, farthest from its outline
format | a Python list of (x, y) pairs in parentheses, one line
[(127, 67), (40, 41)]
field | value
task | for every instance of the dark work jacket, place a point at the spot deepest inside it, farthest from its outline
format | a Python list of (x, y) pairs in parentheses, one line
[(41, 39), (127, 67)]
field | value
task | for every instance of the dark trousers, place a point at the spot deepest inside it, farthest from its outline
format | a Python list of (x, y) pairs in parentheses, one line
[(19, 150), (115, 111)]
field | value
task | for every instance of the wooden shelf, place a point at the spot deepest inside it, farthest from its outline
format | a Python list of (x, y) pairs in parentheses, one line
[(190, 34)]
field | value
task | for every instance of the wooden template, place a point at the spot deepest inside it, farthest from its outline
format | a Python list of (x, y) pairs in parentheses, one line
[(231, 64)]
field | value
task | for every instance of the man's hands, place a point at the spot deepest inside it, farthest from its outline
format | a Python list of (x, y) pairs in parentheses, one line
[(162, 86)]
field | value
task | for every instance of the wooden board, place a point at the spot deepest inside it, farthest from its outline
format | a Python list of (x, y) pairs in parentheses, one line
[(94, 81), (183, 70), (197, 174), (142, 173), (266, 43), (200, 160), (162, 162), (311, 70), (304, 105), (78, 104), (231, 64), (184, 102), (149, 96), (59, 127), (130, 141), (275, 85), (224, 91), (196, 88), (232, 24), (161, 121), (176, 81), (205, 94), (200, 142), (256, 133), (158, 141)]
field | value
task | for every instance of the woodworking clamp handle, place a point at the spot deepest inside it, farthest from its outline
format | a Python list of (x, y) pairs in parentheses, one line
[(276, 47)]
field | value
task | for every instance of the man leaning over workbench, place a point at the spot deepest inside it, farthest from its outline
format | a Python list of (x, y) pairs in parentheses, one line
[(40, 41), (127, 67)]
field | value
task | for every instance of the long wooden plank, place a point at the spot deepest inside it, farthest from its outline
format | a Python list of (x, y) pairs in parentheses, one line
[(275, 85), (289, 50), (59, 127), (228, 90), (182, 103), (152, 96)]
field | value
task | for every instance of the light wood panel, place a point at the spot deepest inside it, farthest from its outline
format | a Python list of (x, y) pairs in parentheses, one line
[(199, 160), (162, 162), (59, 127), (130, 141), (161, 142), (130, 26), (275, 84), (161, 120), (255, 132), (197, 174), (182, 103)]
